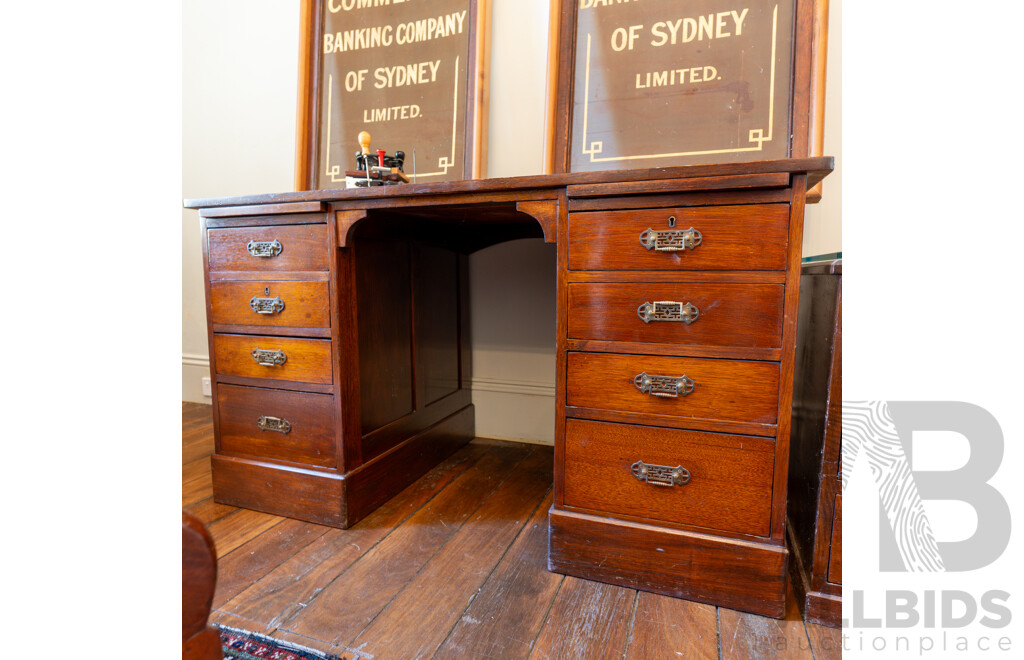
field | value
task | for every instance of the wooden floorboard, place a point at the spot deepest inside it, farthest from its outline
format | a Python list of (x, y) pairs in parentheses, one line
[(587, 620), (666, 627), (504, 619), (432, 602), (279, 595), (349, 604), (455, 566)]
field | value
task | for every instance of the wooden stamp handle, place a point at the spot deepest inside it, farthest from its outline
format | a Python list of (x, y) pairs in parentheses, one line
[(364, 142)]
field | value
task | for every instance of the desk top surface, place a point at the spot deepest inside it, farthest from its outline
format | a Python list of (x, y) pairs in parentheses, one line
[(815, 168)]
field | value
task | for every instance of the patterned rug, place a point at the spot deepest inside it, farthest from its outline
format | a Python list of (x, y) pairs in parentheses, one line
[(246, 645)]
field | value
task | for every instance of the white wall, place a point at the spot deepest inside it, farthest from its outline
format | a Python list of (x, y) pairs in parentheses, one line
[(239, 75), (240, 66)]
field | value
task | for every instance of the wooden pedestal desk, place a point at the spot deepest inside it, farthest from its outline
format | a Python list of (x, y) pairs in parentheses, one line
[(339, 350)]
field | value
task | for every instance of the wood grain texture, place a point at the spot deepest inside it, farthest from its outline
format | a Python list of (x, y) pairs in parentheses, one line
[(518, 593), (817, 169), (671, 628), (433, 601), (682, 199), (239, 528), (373, 483), (303, 247), (835, 563), (255, 558), (587, 620), (198, 577), (435, 300), (791, 309), (306, 360), (826, 642), (709, 569), (196, 490), (744, 315), (504, 618), (208, 511), (337, 617), (281, 593), (748, 636), (384, 312), (262, 209), (305, 304), (283, 490), (311, 419), (730, 477), (545, 213), (730, 390), (610, 240), (679, 185)]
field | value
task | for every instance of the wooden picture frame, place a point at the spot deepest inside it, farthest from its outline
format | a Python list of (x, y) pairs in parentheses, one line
[(635, 120), (385, 56)]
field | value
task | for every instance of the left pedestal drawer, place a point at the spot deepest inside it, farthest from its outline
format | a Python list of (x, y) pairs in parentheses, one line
[(277, 358), (288, 426), (293, 304)]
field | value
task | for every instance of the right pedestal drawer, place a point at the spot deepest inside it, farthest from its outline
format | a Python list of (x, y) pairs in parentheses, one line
[(712, 480), (691, 313), (732, 390), (753, 237)]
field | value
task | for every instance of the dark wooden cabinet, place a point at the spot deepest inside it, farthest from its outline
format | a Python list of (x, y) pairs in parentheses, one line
[(339, 342), (815, 488)]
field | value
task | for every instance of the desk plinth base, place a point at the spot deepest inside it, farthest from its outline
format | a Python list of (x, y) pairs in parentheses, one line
[(329, 498), (740, 575)]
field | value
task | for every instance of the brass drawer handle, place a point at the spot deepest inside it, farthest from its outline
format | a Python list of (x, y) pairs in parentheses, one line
[(676, 240), (663, 386), (266, 305), (274, 424), (269, 358), (668, 310), (265, 249), (660, 475)]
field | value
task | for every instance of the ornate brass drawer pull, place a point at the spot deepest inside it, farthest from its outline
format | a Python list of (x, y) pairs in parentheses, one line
[(274, 424), (667, 310), (676, 240), (660, 475), (264, 249), (269, 358), (663, 386), (266, 305)]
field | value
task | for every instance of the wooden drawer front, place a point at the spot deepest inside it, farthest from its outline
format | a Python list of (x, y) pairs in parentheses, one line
[(306, 360), (730, 476), (727, 314), (308, 418), (734, 390), (835, 559), (302, 247), (752, 237), (302, 304)]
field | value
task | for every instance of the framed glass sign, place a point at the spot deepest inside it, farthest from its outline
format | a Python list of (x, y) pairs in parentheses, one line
[(412, 74), (655, 83)]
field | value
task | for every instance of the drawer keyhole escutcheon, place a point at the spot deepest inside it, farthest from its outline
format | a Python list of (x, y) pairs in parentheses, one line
[(277, 424), (660, 475), (664, 386), (674, 240), (269, 358), (264, 249), (667, 310)]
